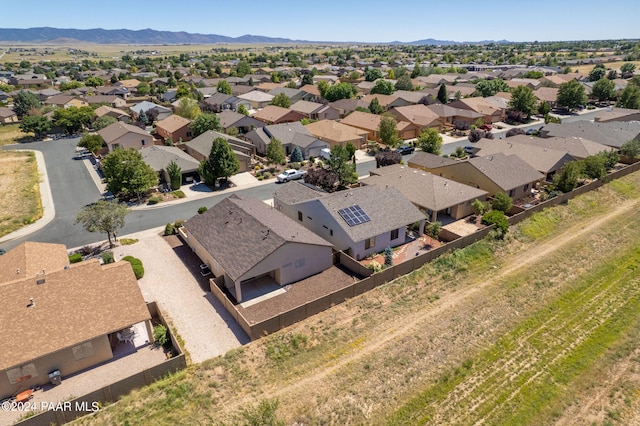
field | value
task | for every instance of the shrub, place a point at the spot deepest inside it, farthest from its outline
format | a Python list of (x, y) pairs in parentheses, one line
[(128, 241), (267, 175), (160, 334), (312, 159), (178, 224), (169, 229), (433, 230), (75, 258), (502, 202), (260, 177), (107, 257), (202, 209), (497, 218), (136, 265), (374, 266), (153, 200), (178, 194), (388, 256)]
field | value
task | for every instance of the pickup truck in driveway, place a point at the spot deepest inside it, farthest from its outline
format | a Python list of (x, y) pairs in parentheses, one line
[(291, 174)]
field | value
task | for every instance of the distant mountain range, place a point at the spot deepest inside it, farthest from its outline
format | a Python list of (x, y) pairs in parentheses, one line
[(149, 36)]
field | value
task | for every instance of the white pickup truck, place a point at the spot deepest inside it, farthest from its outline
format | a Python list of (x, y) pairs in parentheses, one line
[(291, 174)]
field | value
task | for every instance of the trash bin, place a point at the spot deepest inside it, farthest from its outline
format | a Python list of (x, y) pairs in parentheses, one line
[(55, 377)]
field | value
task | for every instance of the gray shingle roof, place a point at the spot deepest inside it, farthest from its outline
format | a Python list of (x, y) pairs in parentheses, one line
[(159, 157), (430, 161), (506, 171), (545, 160), (611, 134), (241, 232), (576, 147)]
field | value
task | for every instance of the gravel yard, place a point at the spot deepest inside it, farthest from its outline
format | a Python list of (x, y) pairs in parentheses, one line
[(172, 278)]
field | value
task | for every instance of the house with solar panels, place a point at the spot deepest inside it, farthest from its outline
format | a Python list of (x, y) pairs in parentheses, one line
[(359, 221)]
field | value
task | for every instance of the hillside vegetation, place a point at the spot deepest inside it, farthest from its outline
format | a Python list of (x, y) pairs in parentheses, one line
[(541, 328)]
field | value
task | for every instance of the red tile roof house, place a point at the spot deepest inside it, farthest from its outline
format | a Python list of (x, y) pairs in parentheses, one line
[(175, 127), (57, 316), (244, 240), (122, 135)]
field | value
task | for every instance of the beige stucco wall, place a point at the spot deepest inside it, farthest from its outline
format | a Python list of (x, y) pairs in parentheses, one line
[(62, 360), (131, 140)]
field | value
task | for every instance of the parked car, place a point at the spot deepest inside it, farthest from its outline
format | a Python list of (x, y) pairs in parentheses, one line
[(486, 126), (405, 149), (469, 149), (291, 174), (533, 132)]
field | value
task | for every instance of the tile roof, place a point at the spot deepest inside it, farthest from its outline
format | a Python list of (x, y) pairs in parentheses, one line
[(117, 130), (273, 113), (418, 114), (330, 130), (241, 232), (159, 157), (506, 171), (173, 123), (423, 189), (71, 307), (547, 94), (362, 120), (306, 107), (30, 258)]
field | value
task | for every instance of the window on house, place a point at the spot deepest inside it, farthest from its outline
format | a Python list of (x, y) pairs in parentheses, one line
[(331, 232), (188, 134), (300, 216), (525, 187), (369, 242), (394, 234), (144, 142), (512, 193), (299, 263)]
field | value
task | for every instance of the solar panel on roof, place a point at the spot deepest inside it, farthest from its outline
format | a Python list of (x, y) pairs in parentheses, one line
[(354, 215)]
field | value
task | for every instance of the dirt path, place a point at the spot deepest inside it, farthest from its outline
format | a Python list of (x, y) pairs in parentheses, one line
[(411, 322)]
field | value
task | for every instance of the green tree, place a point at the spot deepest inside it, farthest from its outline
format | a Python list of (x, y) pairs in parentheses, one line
[(296, 155), (497, 218), (594, 167), (127, 174), (486, 88), (442, 94), (243, 68), (307, 79), (103, 216), (225, 160), (571, 94), (388, 131), (430, 141), (524, 100), (627, 67), (224, 87), (39, 125), (388, 256), (24, 101), (631, 149), (340, 163), (597, 73), (323, 88), (205, 122), (533, 74), (603, 89), (143, 88), (383, 87), (188, 108), (91, 142), (502, 202), (73, 119), (243, 110), (375, 107), (404, 83), (104, 121), (281, 100), (275, 152), (544, 108), (630, 97), (183, 91), (94, 82), (340, 91), (175, 175), (567, 179), (372, 74), (478, 207)]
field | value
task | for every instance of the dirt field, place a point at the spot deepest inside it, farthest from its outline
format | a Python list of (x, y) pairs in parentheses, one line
[(19, 190), (541, 328)]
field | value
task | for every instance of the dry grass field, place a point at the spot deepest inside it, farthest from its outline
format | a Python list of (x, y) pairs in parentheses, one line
[(540, 328), (585, 69), (20, 202), (11, 134)]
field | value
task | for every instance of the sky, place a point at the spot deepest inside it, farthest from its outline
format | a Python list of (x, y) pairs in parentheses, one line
[(344, 20)]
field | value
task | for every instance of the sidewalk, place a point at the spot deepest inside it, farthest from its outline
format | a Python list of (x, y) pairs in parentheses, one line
[(48, 208)]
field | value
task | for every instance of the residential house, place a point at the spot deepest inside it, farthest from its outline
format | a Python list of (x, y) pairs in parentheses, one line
[(371, 124), (617, 114), (360, 221), (494, 173), (449, 115), (118, 114), (45, 94), (316, 111), (294, 95), (175, 127), (122, 135), (68, 316), (419, 115), (387, 102), (459, 91), (244, 240), (556, 80), (490, 112), (119, 91), (312, 92), (531, 83), (130, 84), (337, 133), (65, 101), (257, 98), (163, 112), (272, 114), (8, 116), (159, 157), (230, 119), (546, 160), (347, 106), (200, 148), (218, 102), (268, 86), (435, 80), (110, 100), (613, 133), (547, 94), (434, 195), (290, 135), (241, 89), (576, 147)]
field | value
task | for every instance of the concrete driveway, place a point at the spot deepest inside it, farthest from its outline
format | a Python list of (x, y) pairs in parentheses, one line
[(172, 278)]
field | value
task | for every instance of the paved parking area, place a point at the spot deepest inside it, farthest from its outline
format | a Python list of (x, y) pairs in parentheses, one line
[(172, 279)]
